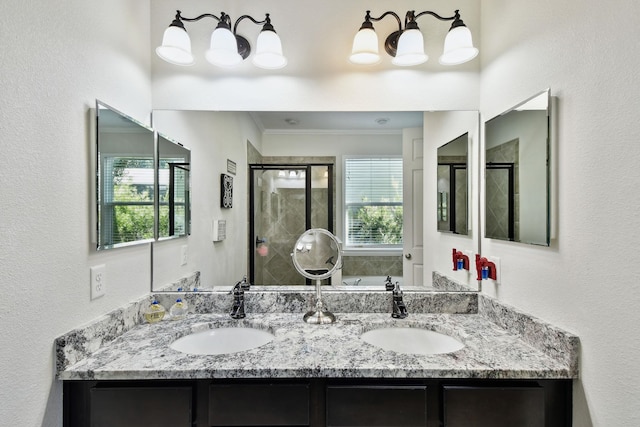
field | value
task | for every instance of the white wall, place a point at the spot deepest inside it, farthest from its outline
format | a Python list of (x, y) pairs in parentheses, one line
[(440, 128), (56, 60), (317, 38), (212, 137), (587, 280)]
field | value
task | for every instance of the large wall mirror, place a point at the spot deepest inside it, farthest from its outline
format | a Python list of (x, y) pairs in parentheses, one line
[(143, 182), (453, 186), (517, 173), (125, 179), (295, 138)]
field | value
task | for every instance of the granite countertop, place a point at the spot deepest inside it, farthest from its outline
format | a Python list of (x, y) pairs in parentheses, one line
[(301, 350)]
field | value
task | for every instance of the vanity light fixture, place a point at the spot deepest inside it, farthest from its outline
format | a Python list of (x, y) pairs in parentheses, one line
[(227, 48), (407, 46)]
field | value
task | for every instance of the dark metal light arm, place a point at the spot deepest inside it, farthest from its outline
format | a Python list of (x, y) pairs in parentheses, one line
[(457, 22), (369, 18), (224, 18), (435, 15), (266, 21)]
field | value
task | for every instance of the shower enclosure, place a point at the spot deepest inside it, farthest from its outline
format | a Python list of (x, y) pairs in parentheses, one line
[(501, 205), (285, 200)]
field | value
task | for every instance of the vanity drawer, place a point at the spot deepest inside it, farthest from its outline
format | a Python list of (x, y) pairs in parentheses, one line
[(140, 406), (259, 404), (377, 406), (468, 406)]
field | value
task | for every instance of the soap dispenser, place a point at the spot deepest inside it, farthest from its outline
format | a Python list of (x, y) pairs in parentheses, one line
[(178, 310), (155, 312)]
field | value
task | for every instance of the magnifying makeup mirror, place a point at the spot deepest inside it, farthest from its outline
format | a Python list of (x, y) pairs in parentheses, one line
[(316, 255)]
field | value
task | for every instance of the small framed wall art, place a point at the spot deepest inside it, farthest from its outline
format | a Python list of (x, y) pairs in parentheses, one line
[(226, 191)]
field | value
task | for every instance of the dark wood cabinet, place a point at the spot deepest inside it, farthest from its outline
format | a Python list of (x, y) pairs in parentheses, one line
[(319, 402), (376, 405), (478, 406), (136, 406), (258, 404)]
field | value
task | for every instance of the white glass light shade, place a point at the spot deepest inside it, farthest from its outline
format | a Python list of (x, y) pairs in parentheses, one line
[(223, 51), (410, 49), (176, 46), (365, 47), (458, 47), (269, 51)]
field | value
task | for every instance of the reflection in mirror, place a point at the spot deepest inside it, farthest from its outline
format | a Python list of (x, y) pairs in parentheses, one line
[(174, 211), (297, 139), (453, 188), (517, 173), (126, 184), (285, 200), (316, 255)]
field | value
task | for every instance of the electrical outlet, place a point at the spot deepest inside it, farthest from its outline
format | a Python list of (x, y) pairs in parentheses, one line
[(98, 281), (183, 255)]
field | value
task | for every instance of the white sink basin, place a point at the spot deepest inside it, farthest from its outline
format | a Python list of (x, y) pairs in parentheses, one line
[(222, 341), (412, 341)]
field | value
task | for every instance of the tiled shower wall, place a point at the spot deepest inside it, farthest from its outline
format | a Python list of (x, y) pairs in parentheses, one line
[(282, 219), (497, 192), (461, 193)]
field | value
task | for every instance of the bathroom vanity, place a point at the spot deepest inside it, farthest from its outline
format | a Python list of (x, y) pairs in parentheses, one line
[(319, 402), (514, 370)]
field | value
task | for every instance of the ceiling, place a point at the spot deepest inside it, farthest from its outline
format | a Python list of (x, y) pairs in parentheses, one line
[(336, 121)]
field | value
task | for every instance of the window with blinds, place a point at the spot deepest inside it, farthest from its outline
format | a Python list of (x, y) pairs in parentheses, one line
[(373, 202), (126, 207), (173, 196)]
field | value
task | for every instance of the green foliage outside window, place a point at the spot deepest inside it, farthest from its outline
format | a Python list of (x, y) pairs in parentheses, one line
[(133, 221), (379, 225)]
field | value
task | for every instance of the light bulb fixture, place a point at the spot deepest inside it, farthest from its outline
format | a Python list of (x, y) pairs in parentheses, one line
[(227, 48), (406, 46)]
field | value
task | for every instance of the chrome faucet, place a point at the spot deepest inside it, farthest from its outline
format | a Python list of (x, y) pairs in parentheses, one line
[(237, 310), (399, 309)]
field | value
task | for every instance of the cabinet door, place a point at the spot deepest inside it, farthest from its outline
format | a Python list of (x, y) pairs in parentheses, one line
[(261, 404), (141, 406), (377, 406), (493, 406)]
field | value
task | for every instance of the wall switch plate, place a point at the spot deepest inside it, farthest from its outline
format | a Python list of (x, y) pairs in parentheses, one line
[(183, 255), (98, 281), (496, 261)]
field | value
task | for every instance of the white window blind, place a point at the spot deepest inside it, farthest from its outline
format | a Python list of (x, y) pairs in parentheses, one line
[(373, 202), (126, 207)]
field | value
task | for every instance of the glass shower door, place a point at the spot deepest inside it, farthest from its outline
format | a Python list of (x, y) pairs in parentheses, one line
[(285, 200)]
